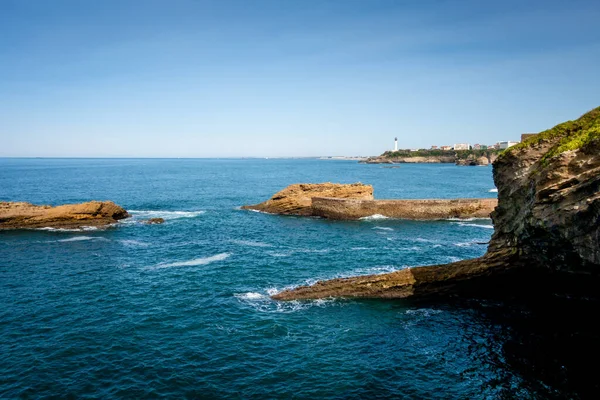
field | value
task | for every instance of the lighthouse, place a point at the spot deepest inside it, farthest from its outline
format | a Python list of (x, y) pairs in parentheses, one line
[(395, 144)]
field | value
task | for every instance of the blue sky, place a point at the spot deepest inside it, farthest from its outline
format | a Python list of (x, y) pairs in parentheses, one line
[(191, 78)]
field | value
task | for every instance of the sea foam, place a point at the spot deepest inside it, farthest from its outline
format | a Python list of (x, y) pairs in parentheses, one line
[(166, 215), (477, 225), (374, 217), (195, 262), (81, 238)]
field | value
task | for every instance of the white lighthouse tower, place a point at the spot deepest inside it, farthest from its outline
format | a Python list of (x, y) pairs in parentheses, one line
[(395, 144)]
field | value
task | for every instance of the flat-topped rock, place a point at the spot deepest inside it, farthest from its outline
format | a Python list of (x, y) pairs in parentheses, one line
[(426, 209), (21, 215), (297, 199)]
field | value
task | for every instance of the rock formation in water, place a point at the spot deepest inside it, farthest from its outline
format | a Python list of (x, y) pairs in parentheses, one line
[(297, 199), (426, 209), (355, 201), (154, 221), (547, 227), (20, 215)]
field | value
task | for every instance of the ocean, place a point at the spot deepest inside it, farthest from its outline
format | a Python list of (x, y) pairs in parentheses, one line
[(182, 309)]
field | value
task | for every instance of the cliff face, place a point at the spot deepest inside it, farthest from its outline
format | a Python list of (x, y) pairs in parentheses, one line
[(549, 198), (15, 215), (297, 199), (547, 227)]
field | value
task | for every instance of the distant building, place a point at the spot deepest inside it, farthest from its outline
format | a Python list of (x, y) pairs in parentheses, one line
[(434, 147), (446, 148), (461, 146), (395, 144), (526, 136), (476, 146), (506, 145)]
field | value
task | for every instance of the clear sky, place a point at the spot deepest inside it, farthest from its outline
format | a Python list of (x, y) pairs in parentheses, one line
[(224, 78)]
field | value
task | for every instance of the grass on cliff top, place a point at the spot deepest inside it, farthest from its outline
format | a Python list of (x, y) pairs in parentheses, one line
[(572, 135)]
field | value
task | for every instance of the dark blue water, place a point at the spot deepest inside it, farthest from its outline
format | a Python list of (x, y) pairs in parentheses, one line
[(183, 310)]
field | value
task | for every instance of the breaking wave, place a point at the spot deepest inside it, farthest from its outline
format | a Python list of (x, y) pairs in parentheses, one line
[(195, 262), (251, 243), (477, 225), (374, 217), (262, 302), (166, 215)]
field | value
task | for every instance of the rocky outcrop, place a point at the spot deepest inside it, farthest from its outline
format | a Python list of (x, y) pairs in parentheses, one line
[(355, 201), (18, 215), (410, 160), (297, 199), (428, 209), (154, 221), (473, 160), (467, 276), (549, 198), (547, 228)]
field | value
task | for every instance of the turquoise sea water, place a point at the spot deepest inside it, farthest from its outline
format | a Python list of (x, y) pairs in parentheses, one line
[(183, 309)]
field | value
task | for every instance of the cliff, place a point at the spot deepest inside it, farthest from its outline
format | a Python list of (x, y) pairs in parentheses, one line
[(297, 199), (549, 197), (18, 215), (547, 228)]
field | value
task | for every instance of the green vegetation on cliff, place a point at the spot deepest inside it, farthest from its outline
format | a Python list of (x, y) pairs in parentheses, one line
[(458, 154), (570, 135)]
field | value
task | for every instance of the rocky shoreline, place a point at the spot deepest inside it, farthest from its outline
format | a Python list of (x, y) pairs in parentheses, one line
[(467, 159), (355, 201), (21, 215), (547, 228)]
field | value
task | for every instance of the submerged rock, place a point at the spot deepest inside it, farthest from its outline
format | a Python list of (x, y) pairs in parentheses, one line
[(154, 221), (17, 215), (297, 199), (547, 228)]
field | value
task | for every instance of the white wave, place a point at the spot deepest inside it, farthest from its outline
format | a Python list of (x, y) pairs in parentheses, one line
[(383, 228), (195, 262), (468, 219), (79, 239), (376, 270), (263, 303), (374, 217), (250, 296), (133, 243), (454, 259), (493, 190), (279, 254), (80, 229), (477, 225), (251, 243), (424, 312), (258, 211), (423, 240), (469, 244), (166, 215)]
